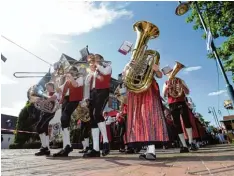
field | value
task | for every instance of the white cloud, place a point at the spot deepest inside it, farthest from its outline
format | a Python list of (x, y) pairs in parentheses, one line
[(14, 110), (7, 80), (189, 69), (217, 93), (32, 19), (61, 41), (53, 47), (34, 25)]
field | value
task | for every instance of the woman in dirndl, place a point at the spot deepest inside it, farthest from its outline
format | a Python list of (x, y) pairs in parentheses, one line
[(146, 123)]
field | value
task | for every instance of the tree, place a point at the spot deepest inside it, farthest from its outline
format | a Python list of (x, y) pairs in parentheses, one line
[(219, 18), (25, 123)]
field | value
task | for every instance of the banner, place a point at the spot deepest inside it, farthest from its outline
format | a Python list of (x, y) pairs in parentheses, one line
[(209, 40)]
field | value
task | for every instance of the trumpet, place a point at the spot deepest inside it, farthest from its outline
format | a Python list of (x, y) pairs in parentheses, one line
[(30, 74), (61, 69)]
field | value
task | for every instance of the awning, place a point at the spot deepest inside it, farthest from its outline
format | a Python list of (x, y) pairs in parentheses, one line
[(231, 120)]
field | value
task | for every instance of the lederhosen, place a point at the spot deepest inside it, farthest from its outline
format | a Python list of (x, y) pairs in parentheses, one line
[(99, 96), (70, 102), (85, 130), (179, 107)]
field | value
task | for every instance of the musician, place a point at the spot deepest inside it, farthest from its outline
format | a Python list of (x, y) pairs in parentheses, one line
[(45, 118), (72, 94), (145, 122), (179, 108), (99, 80), (109, 121), (192, 119), (121, 130), (121, 95)]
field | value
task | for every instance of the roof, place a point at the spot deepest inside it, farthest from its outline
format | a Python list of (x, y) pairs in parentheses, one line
[(8, 122), (230, 117), (69, 59), (230, 120)]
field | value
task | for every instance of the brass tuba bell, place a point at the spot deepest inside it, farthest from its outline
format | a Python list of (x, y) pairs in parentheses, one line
[(138, 77), (175, 89)]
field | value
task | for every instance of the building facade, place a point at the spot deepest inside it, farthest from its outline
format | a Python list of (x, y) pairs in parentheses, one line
[(113, 103), (8, 123)]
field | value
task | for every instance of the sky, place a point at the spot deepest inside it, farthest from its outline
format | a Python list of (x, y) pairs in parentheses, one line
[(50, 28)]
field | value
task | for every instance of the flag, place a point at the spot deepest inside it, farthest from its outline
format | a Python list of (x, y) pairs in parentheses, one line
[(3, 58), (209, 40)]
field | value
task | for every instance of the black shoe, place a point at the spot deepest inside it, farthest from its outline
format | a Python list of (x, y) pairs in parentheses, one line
[(130, 151), (91, 154), (184, 150), (193, 147), (84, 150), (106, 149), (148, 156), (43, 151), (121, 150), (64, 152)]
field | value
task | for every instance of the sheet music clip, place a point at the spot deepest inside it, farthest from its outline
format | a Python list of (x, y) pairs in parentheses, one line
[(125, 48)]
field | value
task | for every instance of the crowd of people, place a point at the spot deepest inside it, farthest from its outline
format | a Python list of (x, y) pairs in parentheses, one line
[(143, 119)]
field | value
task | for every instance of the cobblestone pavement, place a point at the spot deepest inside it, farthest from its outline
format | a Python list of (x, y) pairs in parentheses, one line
[(215, 160)]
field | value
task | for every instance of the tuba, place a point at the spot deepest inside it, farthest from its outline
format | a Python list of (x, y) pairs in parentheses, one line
[(82, 113), (36, 93), (138, 77), (175, 88)]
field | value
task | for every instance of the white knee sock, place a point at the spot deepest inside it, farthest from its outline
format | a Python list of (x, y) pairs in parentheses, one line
[(95, 135), (190, 134), (151, 149), (43, 140), (64, 138), (86, 142), (67, 134), (197, 144), (181, 136), (102, 127), (47, 139)]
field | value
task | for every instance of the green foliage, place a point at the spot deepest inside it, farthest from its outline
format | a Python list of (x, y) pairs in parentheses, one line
[(24, 123), (219, 17), (33, 145)]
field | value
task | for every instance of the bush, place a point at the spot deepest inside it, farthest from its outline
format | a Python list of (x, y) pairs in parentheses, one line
[(15, 146), (33, 145)]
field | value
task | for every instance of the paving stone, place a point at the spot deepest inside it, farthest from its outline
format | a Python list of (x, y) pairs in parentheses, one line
[(216, 160)]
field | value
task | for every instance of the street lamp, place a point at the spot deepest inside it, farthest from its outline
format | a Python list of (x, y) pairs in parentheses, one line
[(212, 110), (183, 8)]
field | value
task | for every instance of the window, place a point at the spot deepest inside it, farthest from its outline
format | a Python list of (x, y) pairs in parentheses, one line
[(113, 103)]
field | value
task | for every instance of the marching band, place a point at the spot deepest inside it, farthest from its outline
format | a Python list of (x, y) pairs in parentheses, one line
[(142, 120)]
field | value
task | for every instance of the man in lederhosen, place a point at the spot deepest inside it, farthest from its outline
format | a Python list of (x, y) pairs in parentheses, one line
[(99, 80), (72, 94), (43, 124), (178, 107)]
